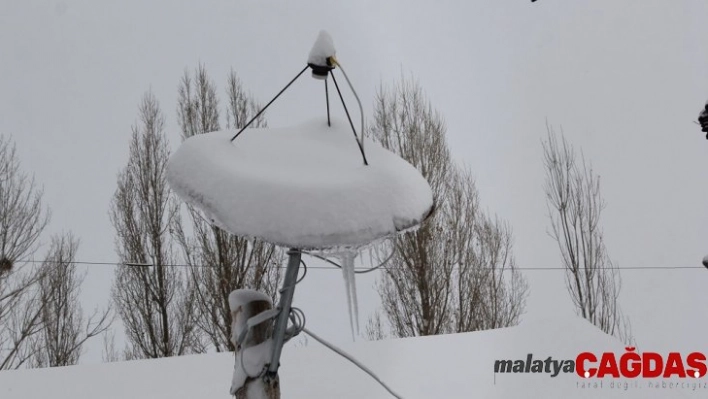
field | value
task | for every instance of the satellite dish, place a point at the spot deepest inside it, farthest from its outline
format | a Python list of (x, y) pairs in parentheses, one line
[(302, 186), (305, 187)]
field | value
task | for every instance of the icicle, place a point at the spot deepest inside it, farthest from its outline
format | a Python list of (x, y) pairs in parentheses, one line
[(355, 300), (347, 259)]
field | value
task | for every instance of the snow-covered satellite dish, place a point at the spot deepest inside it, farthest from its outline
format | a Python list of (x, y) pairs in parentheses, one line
[(306, 187), (301, 187)]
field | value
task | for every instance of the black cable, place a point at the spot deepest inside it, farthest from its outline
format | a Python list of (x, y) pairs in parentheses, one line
[(304, 265), (269, 103), (356, 137), (368, 270)]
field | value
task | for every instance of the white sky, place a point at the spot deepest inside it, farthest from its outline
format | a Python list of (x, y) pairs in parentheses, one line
[(625, 79)]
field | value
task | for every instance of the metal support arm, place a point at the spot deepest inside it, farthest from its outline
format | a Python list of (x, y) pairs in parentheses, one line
[(281, 323)]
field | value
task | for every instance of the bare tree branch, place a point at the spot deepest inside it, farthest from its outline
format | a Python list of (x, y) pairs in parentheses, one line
[(575, 205), (22, 220), (64, 330), (235, 262), (156, 302), (456, 272)]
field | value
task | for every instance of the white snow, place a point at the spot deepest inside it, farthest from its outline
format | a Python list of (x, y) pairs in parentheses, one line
[(239, 315), (303, 187), (449, 366), (243, 296), (322, 49), (249, 362)]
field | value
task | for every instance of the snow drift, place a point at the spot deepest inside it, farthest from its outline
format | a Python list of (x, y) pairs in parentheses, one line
[(448, 366)]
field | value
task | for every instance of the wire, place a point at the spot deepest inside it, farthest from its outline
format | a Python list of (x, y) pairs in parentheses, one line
[(297, 317), (366, 269), (346, 111), (331, 262), (304, 273), (361, 109), (351, 359)]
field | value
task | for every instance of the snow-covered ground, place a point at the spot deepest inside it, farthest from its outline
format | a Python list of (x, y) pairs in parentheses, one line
[(452, 366)]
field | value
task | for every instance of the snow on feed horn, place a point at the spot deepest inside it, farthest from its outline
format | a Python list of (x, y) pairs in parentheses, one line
[(321, 56)]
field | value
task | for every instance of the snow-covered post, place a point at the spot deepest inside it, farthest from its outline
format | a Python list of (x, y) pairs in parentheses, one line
[(253, 344)]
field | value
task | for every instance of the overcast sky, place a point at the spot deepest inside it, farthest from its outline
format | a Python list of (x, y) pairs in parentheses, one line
[(624, 79)]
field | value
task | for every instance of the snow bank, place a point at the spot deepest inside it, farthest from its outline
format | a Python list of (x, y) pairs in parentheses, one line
[(450, 366), (302, 187)]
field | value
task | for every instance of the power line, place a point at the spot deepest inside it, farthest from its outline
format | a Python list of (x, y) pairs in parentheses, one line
[(132, 264)]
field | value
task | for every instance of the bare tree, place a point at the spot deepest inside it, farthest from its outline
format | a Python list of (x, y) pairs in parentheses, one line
[(242, 106), (490, 291), (22, 220), (449, 275), (198, 105), (155, 301), (375, 330), (416, 287), (110, 352), (233, 262), (575, 205), (63, 329)]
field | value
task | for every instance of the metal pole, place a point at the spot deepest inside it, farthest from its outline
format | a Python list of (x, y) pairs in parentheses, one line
[(269, 103), (346, 111), (327, 97), (281, 323)]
